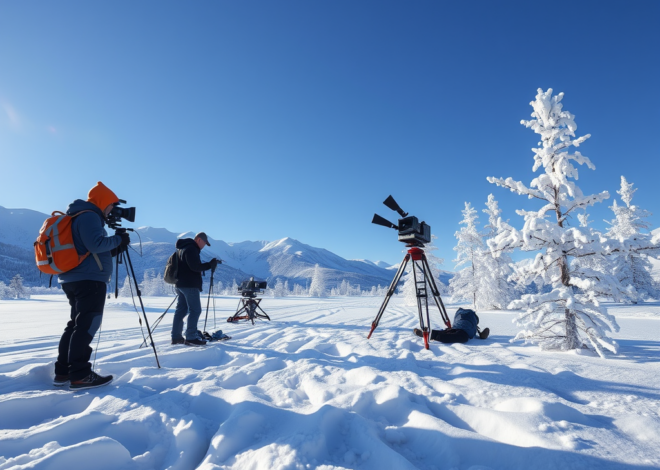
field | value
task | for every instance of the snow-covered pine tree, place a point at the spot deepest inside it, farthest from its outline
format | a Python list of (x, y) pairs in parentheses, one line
[(466, 283), (146, 288), (127, 289), (278, 289), (317, 287), (4, 291), (561, 317), (161, 288), (631, 264), (299, 291), (16, 288), (498, 289), (342, 289)]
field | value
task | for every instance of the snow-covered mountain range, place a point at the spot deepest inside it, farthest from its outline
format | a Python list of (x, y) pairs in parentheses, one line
[(285, 259)]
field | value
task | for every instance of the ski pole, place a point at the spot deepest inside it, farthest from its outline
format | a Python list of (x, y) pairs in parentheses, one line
[(209, 298)]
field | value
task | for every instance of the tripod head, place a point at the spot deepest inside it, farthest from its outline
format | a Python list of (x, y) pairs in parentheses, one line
[(412, 232)]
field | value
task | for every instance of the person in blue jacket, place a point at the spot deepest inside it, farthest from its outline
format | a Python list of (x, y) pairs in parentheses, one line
[(85, 288), (464, 327)]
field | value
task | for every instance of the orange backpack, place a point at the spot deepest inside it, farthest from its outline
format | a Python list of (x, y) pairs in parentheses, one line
[(54, 249)]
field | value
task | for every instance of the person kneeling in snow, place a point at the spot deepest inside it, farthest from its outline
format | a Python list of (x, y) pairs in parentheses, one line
[(464, 328)]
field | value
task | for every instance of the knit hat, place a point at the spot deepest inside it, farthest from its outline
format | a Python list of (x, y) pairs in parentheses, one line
[(101, 196)]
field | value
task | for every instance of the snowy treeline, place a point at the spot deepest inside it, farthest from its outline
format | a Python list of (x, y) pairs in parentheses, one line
[(281, 289), (150, 286), (579, 265), (484, 280), (17, 260), (15, 289), (155, 286), (318, 288), (631, 265), (18, 290)]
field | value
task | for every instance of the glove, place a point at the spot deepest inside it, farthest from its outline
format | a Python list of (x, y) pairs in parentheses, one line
[(214, 264), (125, 239)]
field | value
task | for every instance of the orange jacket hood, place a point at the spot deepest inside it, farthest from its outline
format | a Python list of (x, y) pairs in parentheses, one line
[(101, 196)]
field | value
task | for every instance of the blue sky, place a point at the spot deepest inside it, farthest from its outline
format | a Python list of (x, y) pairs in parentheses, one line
[(261, 120)]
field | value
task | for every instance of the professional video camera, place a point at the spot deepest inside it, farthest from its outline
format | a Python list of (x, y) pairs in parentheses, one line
[(411, 231), (117, 213), (251, 288), (248, 306), (415, 235)]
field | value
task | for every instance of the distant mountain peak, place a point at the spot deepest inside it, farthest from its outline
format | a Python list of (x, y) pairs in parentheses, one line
[(285, 242)]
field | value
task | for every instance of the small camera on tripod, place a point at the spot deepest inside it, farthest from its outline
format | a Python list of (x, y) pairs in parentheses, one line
[(117, 213), (252, 288), (411, 231)]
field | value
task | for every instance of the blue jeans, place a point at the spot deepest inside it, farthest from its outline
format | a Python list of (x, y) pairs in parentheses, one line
[(189, 304)]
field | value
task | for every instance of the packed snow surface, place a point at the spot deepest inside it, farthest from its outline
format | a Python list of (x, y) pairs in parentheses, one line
[(308, 390)]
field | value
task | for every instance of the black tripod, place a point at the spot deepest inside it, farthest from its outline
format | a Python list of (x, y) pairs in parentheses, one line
[(211, 294), (249, 310), (122, 254), (421, 264)]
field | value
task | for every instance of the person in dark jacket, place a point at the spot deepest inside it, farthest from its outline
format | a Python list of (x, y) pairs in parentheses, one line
[(85, 288), (188, 286), (463, 328)]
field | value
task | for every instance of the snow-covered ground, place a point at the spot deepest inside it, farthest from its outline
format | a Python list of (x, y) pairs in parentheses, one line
[(308, 390)]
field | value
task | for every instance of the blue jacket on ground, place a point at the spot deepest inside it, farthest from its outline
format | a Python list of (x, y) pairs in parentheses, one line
[(466, 320), (89, 235)]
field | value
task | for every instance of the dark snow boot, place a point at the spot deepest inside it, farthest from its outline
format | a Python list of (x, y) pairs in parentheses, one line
[(93, 380), (195, 342), (60, 380), (483, 334)]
